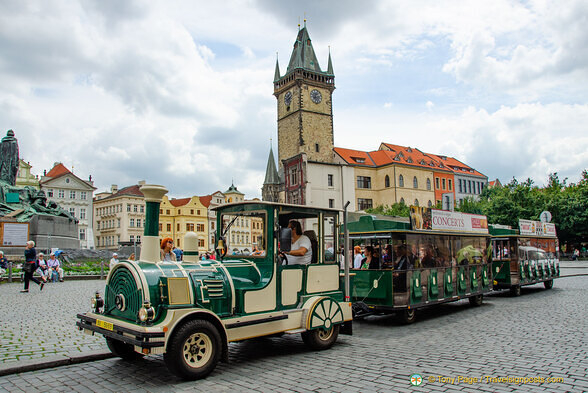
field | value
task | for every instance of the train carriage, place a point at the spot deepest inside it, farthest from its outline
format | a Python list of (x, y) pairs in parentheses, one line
[(436, 257), (527, 256), (190, 311)]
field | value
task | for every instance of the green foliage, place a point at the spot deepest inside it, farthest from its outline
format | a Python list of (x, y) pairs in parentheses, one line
[(397, 210)]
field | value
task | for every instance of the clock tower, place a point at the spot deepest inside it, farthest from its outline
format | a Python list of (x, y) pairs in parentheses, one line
[(304, 99)]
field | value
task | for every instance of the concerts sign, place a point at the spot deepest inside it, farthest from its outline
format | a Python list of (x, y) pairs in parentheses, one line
[(424, 218), (536, 228)]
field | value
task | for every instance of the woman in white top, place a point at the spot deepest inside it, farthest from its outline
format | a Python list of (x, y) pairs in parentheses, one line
[(357, 258)]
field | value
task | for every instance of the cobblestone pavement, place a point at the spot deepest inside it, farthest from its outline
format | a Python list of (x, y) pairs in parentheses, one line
[(541, 334)]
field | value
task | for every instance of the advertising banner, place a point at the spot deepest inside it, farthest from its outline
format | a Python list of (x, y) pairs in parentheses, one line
[(424, 218), (536, 228)]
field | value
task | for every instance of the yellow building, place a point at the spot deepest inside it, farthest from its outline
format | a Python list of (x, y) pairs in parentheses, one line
[(24, 176), (179, 216)]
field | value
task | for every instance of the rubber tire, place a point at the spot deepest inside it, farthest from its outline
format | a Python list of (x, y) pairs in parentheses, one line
[(407, 316), (548, 284), (476, 300), (313, 339), (515, 290), (122, 350), (174, 359)]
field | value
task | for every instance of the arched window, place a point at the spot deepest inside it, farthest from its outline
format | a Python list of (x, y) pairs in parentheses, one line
[(416, 202), (402, 201), (430, 204), (415, 182), (400, 181), (428, 185), (387, 181)]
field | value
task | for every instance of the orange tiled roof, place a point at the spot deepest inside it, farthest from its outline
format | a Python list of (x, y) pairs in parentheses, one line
[(179, 202), (58, 170), (457, 166), (205, 200)]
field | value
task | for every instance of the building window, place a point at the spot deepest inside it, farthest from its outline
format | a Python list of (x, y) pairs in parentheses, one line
[(118, 222), (400, 181), (142, 209), (363, 204), (50, 193), (415, 182), (192, 211), (72, 194), (331, 203), (443, 183), (200, 242), (168, 227), (135, 208), (469, 186), (330, 180), (460, 186), (190, 227), (200, 227), (160, 227), (364, 182), (82, 233), (82, 213), (83, 195), (437, 183), (138, 223), (293, 176), (167, 212), (132, 223), (179, 212), (138, 238), (428, 184), (387, 181), (132, 238), (72, 211), (416, 202), (212, 225), (316, 147), (402, 201), (198, 212), (430, 204), (178, 227), (128, 207), (449, 184), (61, 193)]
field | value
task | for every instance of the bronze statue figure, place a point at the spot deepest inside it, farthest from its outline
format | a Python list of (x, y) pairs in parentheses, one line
[(9, 158)]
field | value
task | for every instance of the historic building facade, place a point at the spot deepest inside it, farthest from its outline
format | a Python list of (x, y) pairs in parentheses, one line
[(24, 177), (73, 195), (179, 216)]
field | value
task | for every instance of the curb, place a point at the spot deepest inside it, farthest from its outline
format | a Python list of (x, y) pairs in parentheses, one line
[(53, 361)]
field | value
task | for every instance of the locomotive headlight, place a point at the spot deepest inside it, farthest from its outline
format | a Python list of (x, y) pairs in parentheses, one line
[(146, 313), (97, 302)]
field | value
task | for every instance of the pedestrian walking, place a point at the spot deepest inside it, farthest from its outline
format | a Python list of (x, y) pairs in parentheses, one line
[(3, 264), (113, 260), (29, 266)]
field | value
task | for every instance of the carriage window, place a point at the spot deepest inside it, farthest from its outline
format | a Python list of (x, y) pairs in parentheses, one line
[(471, 250), (245, 240), (329, 238)]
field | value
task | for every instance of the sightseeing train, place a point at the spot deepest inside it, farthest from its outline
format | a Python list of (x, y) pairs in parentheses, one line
[(190, 311), (439, 256)]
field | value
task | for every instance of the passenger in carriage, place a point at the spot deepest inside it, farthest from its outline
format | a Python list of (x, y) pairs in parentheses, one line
[(357, 257), (370, 261), (387, 262), (428, 258), (401, 264), (301, 250)]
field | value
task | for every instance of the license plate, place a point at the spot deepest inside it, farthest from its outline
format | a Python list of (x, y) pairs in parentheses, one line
[(104, 325)]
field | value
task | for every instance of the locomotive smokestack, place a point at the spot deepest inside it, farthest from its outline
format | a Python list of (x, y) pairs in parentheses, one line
[(150, 248), (191, 247)]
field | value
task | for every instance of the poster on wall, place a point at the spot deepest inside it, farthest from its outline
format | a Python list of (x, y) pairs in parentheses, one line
[(424, 218), (14, 234)]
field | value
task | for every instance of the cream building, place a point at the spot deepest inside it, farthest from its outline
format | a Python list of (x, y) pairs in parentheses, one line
[(75, 196), (24, 177), (212, 201), (179, 216), (119, 217)]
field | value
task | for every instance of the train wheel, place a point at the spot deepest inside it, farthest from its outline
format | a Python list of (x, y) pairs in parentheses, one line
[(320, 339), (194, 350), (477, 300), (407, 316), (548, 284), (122, 350), (515, 290)]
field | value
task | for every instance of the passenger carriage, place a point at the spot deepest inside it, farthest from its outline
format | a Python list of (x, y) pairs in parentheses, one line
[(527, 256), (190, 311), (435, 257)]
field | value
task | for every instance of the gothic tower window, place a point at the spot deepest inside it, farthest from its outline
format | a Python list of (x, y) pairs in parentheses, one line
[(400, 181), (387, 181)]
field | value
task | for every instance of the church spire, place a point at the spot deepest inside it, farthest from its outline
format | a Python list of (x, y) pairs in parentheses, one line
[(303, 55), (271, 173), (277, 73), (330, 66)]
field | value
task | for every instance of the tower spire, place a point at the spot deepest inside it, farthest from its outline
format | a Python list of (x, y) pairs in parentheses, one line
[(330, 66), (277, 73)]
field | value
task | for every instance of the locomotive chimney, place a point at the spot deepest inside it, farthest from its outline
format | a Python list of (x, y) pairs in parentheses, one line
[(150, 247)]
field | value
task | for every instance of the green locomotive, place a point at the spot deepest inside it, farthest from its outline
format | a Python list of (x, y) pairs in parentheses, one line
[(190, 311)]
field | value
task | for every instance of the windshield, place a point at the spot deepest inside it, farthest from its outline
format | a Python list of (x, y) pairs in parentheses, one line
[(245, 233)]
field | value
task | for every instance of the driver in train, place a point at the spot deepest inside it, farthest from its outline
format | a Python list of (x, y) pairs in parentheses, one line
[(301, 250)]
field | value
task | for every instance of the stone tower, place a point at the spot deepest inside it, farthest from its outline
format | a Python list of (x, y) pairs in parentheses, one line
[(304, 98), (271, 186)]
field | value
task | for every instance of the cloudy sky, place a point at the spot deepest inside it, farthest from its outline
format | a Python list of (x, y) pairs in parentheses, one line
[(179, 93)]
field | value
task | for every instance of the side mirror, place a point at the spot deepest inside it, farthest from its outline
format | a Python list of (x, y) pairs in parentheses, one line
[(285, 239)]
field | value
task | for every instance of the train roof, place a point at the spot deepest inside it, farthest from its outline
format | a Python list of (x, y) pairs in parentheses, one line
[(285, 206)]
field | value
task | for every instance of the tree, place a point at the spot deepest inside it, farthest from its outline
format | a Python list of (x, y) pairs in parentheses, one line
[(396, 209)]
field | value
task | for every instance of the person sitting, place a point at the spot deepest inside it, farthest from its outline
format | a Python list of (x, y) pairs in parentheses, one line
[(370, 261), (132, 256), (301, 251), (42, 268), (166, 253), (3, 264), (179, 253), (357, 258), (113, 260), (55, 270)]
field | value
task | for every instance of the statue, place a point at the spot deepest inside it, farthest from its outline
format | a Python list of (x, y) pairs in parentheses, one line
[(9, 158)]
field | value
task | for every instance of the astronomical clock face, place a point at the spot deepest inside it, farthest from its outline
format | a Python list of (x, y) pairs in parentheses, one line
[(316, 96), (288, 98)]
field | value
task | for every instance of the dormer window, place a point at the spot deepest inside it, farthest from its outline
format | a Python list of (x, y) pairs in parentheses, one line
[(422, 162), (409, 160), (359, 160)]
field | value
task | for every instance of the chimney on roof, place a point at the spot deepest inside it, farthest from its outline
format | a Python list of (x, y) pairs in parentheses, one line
[(141, 182), (45, 172), (113, 189)]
